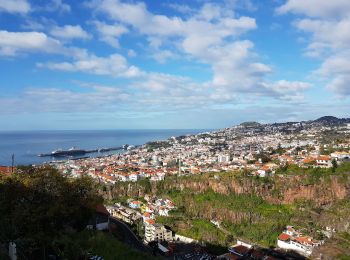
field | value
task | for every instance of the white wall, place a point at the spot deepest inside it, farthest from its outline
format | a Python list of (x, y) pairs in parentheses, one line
[(185, 239)]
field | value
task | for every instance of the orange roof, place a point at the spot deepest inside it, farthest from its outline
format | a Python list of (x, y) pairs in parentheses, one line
[(304, 240), (309, 160), (324, 158), (284, 237), (265, 168), (150, 221), (6, 170), (146, 214)]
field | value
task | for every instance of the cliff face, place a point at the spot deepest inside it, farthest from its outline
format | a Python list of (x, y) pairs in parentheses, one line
[(280, 190)]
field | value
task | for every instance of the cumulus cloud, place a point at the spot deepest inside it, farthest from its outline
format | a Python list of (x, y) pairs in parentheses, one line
[(54, 6), (110, 33), (12, 43), (49, 99), (114, 65), (209, 35), (326, 34), (15, 6), (69, 32), (328, 24), (316, 8), (287, 90)]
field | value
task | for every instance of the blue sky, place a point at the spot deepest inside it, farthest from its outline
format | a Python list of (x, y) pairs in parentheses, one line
[(110, 64)]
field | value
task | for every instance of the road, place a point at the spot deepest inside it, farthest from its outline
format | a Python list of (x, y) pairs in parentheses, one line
[(129, 237)]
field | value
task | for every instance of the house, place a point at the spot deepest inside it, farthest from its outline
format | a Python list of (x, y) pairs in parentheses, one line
[(147, 216), (135, 204), (163, 211), (324, 161), (290, 239), (340, 155), (124, 214), (7, 170), (223, 158), (134, 177), (123, 177)]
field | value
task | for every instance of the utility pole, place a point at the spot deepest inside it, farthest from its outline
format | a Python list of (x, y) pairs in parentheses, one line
[(13, 162)]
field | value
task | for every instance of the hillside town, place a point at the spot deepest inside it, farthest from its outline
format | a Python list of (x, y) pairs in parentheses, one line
[(259, 150)]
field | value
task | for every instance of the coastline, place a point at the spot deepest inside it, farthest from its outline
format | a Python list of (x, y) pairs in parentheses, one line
[(26, 145)]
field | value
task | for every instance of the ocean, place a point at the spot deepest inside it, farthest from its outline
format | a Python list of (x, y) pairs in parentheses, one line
[(26, 145)]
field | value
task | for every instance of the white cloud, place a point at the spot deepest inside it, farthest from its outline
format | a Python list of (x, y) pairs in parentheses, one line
[(326, 34), (209, 35), (93, 98), (317, 8), (163, 55), (56, 5), (12, 43), (181, 8), (15, 6), (336, 70), (291, 91), (132, 53), (110, 33), (340, 84), (114, 65), (328, 23), (69, 32)]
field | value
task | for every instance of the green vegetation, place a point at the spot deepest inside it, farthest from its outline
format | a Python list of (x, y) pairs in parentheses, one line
[(314, 175), (157, 144), (89, 243), (242, 215), (252, 208), (45, 213)]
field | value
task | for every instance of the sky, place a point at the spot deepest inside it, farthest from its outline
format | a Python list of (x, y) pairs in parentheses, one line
[(122, 64)]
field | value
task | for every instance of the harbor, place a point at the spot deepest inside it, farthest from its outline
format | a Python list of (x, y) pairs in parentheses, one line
[(79, 152)]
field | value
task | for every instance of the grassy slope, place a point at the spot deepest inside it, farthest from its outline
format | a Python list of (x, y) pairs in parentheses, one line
[(102, 244)]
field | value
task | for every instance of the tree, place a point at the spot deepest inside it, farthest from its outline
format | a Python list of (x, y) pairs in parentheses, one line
[(38, 205), (334, 165)]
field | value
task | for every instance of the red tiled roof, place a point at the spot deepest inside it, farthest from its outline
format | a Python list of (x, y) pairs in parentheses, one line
[(304, 240), (150, 221), (6, 170), (284, 237), (324, 158)]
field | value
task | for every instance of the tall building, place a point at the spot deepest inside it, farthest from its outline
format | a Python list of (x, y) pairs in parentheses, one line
[(157, 232)]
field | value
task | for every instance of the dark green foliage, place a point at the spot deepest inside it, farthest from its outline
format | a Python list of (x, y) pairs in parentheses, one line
[(89, 243), (158, 144), (38, 205)]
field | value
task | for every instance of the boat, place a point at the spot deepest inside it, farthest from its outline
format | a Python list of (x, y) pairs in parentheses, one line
[(61, 153)]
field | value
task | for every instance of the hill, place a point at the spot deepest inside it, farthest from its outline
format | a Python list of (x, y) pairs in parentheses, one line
[(254, 209)]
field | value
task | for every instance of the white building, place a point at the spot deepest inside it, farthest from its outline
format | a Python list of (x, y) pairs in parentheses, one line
[(157, 232), (340, 155), (223, 158), (133, 177), (290, 239), (324, 161)]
